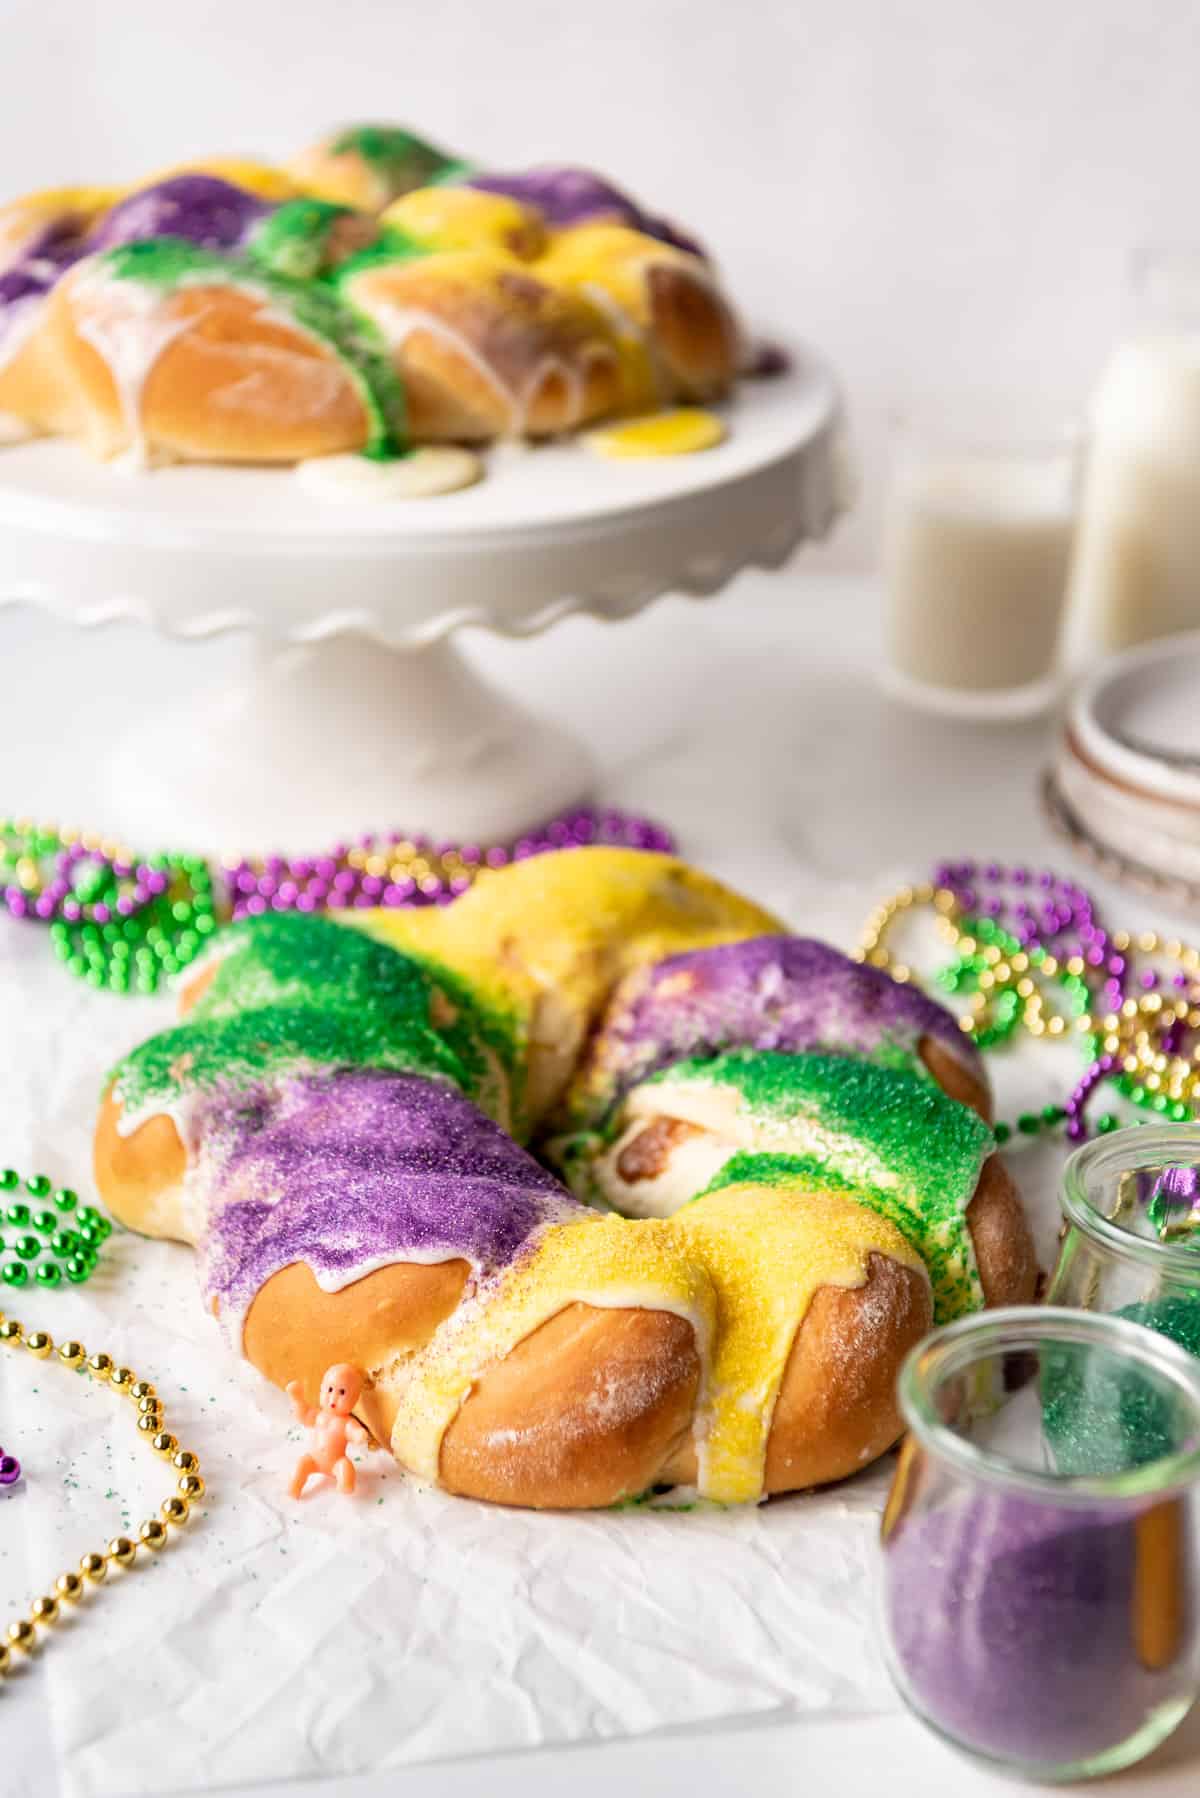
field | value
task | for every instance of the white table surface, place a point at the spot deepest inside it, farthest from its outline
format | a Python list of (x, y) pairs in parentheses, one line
[(752, 726)]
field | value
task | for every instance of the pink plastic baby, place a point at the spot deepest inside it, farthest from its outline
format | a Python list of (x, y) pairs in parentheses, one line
[(332, 1427)]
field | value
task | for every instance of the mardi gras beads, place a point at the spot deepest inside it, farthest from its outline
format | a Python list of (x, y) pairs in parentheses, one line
[(135, 952), (1132, 1019), (125, 924), (397, 871), (26, 1634), (10, 1469), (50, 1240)]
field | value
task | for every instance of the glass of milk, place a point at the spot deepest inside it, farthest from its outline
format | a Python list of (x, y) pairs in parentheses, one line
[(1136, 574), (977, 548)]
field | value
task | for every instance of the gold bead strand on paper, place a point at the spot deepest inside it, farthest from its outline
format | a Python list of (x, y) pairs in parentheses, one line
[(25, 1634), (873, 947)]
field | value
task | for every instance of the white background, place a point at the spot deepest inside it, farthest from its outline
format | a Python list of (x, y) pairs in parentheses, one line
[(942, 194)]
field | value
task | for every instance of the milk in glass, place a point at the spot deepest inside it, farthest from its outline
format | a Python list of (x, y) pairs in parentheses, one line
[(977, 551), (1137, 565)]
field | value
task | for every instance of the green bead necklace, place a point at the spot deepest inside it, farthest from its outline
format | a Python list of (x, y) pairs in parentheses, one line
[(53, 1239)]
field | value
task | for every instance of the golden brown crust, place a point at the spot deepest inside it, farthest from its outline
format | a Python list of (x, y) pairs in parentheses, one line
[(485, 349), (136, 1175), (236, 382), (837, 1410), (956, 1079), (585, 1411), (1004, 1251), (295, 1331), (664, 296), (193, 986), (34, 387), (693, 330)]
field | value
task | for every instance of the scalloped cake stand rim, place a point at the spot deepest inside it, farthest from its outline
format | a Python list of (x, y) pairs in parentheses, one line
[(549, 532), (350, 609)]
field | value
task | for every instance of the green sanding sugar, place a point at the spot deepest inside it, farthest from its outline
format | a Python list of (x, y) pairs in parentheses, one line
[(404, 159), (291, 990), (748, 1169), (296, 240), (391, 245), (172, 262), (890, 1137), (1100, 1414), (1178, 1318)]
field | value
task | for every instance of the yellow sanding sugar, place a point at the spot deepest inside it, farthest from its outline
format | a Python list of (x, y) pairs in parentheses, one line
[(613, 261), (742, 1265), (464, 218), (569, 925), (607, 1262), (49, 203), (681, 432), (768, 1249)]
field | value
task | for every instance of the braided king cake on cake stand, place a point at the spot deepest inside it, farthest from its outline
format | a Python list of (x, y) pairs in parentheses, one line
[(778, 1173), (302, 376)]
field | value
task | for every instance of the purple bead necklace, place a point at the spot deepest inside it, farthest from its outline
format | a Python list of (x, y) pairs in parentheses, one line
[(399, 871), (126, 923)]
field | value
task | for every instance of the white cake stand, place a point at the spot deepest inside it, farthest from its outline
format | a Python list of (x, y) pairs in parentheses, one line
[(356, 712)]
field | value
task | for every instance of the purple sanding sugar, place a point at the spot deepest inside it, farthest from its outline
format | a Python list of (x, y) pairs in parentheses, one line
[(47, 250), (20, 283), (1012, 1626), (21, 294), (570, 196), (29, 277), (200, 208), (355, 1168), (787, 993)]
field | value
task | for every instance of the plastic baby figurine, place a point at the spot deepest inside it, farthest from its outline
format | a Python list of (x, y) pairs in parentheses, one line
[(332, 1427)]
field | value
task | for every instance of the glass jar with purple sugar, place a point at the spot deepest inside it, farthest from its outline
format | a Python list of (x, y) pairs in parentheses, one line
[(1131, 1241), (1039, 1582)]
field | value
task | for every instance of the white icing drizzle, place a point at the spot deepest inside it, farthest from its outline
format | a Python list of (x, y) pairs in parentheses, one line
[(399, 323), (625, 328), (120, 320), (17, 325), (433, 470)]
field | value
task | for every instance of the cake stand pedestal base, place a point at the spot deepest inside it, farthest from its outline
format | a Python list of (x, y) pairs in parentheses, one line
[(328, 740)]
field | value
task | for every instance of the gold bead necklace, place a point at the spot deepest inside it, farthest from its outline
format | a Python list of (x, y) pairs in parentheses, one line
[(1136, 1033), (23, 1634)]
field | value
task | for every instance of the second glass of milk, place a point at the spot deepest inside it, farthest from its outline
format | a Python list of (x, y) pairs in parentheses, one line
[(1136, 574), (977, 550)]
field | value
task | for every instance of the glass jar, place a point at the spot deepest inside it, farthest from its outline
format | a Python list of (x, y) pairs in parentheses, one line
[(1112, 1257), (1039, 1586)]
